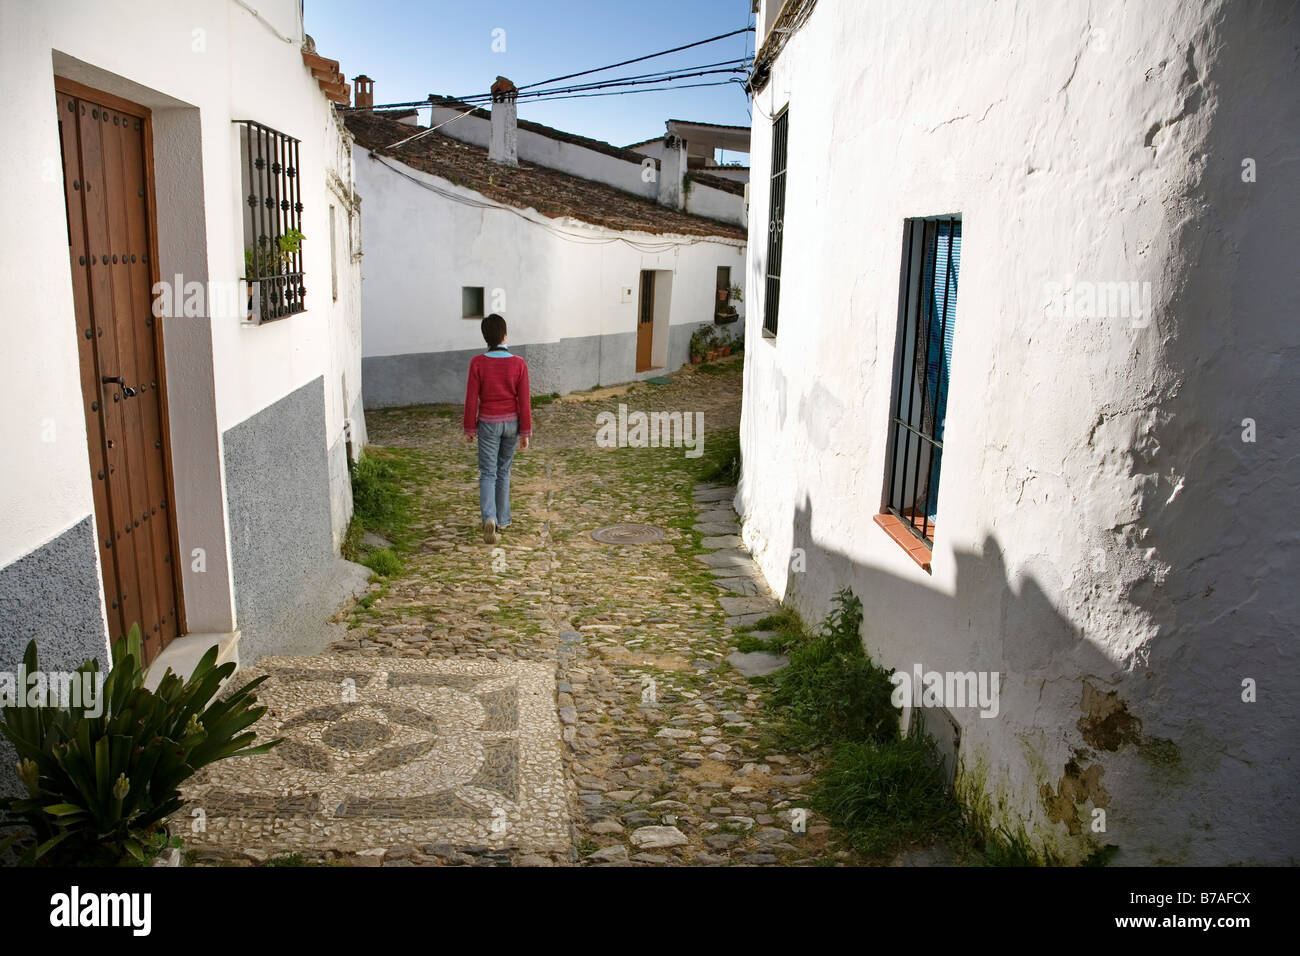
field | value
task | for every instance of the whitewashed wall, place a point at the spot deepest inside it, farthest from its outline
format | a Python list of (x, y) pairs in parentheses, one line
[(702, 200), (569, 158), (592, 164), (198, 65), (1101, 522), (343, 384), (738, 174), (421, 248), (653, 149)]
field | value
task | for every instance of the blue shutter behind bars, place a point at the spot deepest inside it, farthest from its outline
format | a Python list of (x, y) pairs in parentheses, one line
[(943, 323)]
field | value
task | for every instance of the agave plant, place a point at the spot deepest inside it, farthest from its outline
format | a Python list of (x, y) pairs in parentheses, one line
[(100, 787)]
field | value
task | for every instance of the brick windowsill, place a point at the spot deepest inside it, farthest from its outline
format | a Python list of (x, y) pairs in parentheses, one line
[(916, 549)]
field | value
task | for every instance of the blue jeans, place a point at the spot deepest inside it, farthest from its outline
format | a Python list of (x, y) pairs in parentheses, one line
[(496, 451)]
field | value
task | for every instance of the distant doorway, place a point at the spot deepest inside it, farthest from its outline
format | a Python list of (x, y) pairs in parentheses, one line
[(645, 325)]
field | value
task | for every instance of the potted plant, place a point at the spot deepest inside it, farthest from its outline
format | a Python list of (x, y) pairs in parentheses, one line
[(700, 340), (724, 345), (267, 260), (737, 293)]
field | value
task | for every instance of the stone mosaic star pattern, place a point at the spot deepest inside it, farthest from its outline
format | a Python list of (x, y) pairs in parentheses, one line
[(388, 753)]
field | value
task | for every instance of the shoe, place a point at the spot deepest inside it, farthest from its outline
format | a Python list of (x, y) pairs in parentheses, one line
[(490, 531), (502, 527)]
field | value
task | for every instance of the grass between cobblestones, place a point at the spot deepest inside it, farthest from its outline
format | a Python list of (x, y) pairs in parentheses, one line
[(658, 729)]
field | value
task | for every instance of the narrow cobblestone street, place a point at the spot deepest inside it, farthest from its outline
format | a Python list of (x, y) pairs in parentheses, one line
[(659, 733)]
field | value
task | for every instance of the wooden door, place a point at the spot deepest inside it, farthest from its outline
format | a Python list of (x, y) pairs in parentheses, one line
[(110, 248), (645, 326)]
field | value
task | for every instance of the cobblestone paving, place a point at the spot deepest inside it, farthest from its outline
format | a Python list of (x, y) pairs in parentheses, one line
[(660, 732)]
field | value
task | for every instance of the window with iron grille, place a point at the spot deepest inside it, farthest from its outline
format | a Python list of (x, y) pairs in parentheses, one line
[(272, 186), (923, 363), (775, 223)]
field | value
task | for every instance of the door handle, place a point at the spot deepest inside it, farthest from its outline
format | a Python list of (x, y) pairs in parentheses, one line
[(127, 390)]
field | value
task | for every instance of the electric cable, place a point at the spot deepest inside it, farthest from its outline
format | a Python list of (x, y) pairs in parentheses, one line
[(650, 56)]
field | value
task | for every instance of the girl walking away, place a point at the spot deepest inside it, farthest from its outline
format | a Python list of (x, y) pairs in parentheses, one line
[(498, 411)]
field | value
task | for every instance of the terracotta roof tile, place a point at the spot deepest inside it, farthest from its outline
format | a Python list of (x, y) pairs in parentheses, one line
[(598, 145), (550, 192), (718, 182)]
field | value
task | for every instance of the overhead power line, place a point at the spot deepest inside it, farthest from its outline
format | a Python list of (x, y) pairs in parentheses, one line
[(736, 65), (657, 89), (649, 56), (549, 94), (741, 66)]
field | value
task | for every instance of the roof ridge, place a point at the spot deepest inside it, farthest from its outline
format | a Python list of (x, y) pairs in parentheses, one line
[(551, 132), (552, 192)]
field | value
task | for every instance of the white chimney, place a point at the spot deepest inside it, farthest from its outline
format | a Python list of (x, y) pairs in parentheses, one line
[(672, 172), (503, 147)]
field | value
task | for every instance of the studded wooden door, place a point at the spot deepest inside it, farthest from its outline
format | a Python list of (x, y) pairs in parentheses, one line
[(110, 245), (645, 325)]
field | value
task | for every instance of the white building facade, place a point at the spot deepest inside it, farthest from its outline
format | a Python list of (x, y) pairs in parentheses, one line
[(156, 404), (598, 282), (1016, 375)]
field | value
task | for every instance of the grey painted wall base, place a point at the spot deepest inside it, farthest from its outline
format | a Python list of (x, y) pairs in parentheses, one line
[(568, 365), (53, 595), (278, 500), (305, 627)]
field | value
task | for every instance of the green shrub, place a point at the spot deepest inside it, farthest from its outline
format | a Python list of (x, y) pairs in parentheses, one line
[(376, 492), (721, 459), (383, 561), (832, 691), (886, 794), (539, 400), (100, 787)]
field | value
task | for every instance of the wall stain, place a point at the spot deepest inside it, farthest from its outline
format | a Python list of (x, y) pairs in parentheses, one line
[(1077, 787), (1106, 723)]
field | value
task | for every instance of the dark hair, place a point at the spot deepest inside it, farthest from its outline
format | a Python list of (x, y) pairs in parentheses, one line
[(494, 330)]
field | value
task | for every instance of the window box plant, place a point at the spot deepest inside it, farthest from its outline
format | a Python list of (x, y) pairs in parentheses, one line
[(264, 261)]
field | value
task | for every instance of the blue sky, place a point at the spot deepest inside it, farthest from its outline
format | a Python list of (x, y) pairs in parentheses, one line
[(413, 48)]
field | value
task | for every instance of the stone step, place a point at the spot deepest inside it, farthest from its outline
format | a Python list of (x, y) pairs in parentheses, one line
[(703, 493), (716, 514), (757, 663), (726, 559), (745, 620), (743, 585), (749, 605), (738, 571), (722, 541), (717, 527)]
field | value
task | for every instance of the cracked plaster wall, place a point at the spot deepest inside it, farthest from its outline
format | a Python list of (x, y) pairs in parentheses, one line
[(1106, 540)]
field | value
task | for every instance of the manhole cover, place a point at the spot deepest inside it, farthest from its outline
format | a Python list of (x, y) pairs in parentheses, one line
[(628, 534)]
